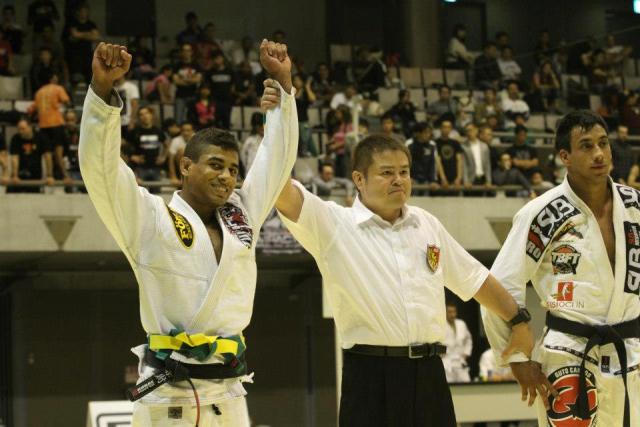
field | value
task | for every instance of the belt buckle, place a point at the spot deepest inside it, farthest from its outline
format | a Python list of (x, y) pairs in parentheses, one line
[(414, 356)]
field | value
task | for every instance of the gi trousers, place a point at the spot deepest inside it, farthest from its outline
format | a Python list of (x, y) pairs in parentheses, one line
[(233, 413), (380, 391)]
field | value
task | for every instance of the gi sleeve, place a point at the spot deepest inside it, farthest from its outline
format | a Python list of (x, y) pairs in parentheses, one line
[(274, 160), (463, 274), (513, 268), (315, 227), (127, 210)]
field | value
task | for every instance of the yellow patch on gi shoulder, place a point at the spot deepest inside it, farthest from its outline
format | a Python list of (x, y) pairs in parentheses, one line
[(183, 228)]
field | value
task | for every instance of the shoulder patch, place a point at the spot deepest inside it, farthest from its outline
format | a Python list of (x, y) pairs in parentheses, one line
[(183, 228), (237, 223), (630, 196), (546, 223)]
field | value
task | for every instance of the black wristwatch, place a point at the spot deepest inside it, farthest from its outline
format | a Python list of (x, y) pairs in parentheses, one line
[(522, 316)]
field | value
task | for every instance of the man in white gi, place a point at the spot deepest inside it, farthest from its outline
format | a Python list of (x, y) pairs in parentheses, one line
[(385, 265), (579, 245), (194, 259), (459, 345)]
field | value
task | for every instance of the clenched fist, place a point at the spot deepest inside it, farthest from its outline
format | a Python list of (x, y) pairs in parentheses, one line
[(276, 62), (110, 62)]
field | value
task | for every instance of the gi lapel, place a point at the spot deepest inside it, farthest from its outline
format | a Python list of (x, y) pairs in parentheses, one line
[(620, 216)]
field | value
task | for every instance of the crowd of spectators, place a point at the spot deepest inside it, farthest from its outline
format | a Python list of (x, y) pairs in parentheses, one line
[(453, 144)]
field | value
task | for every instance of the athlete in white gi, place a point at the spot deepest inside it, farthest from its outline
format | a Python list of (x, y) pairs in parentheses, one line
[(194, 259), (579, 246), (459, 345)]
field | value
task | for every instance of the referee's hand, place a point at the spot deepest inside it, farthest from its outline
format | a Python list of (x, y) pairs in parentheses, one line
[(533, 382)]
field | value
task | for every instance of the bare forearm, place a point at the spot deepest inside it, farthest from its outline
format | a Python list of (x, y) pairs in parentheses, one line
[(495, 298)]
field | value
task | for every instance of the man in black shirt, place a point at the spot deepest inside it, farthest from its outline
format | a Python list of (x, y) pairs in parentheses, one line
[(423, 156), (221, 80), (186, 77), (450, 152), (78, 36), (623, 156), (70, 149), (148, 145), (524, 157), (486, 69), (27, 149), (41, 14)]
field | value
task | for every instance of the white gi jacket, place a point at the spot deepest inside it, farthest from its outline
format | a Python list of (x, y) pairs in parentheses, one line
[(556, 244), (459, 345), (182, 286)]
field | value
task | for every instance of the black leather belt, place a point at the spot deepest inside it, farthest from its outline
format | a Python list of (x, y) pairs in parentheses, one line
[(598, 335), (412, 352)]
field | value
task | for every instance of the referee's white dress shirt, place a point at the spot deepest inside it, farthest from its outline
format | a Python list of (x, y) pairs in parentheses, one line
[(379, 282)]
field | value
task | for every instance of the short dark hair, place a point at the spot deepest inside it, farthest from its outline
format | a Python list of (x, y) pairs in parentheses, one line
[(420, 127), (167, 123), (364, 122), (387, 116), (402, 93), (210, 136), (583, 119), (520, 128), (375, 143), (489, 44)]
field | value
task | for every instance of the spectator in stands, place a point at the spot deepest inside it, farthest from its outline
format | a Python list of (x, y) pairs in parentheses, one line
[(630, 115), (523, 155), (190, 34), (506, 174), (457, 54), (304, 98), (41, 14), (176, 151), (509, 68), (369, 72), (348, 97), (634, 177), (143, 63), (486, 70), (459, 345), (513, 105), (171, 129), (148, 148), (617, 54), (6, 57), (251, 144), (404, 111), (28, 149), (322, 84), (477, 158), (49, 40), (444, 105), (502, 40), (12, 31), (221, 80), (187, 78), (389, 127), (623, 156), (130, 95), (78, 36), (247, 52), (203, 111), (485, 135), (326, 182), (546, 86), (244, 85), (558, 168), (159, 89), (424, 156), (48, 101), (70, 149), (543, 50), (42, 68), (539, 183), (279, 36), (207, 47), (338, 126), (489, 106), (599, 72), (451, 172)]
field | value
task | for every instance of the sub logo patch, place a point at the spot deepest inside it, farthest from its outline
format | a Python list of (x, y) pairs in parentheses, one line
[(546, 223)]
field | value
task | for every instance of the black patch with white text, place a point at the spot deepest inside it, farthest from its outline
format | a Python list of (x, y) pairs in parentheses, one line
[(546, 223), (632, 239), (630, 196), (237, 223)]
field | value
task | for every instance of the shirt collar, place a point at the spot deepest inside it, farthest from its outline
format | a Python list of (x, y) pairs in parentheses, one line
[(181, 203), (364, 214), (574, 197)]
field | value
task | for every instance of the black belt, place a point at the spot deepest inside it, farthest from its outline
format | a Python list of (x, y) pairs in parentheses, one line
[(598, 335), (171, 371), (412, 352)]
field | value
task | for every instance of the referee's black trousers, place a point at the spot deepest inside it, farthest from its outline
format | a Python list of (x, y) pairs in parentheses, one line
[(395, 392)]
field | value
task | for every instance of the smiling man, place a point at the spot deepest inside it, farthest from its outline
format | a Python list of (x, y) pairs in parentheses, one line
[(385, 266), (579, 245), (194, 258)]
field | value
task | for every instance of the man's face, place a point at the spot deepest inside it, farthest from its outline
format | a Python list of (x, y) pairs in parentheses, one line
[(83, 14), (327, 173), (492, 52), (186, 53), (489, 96), (521, 138), (445, 94), (512, 90), (472, 132), (213, 177), (505, 162), (350, 91), (623, 133), (536, 179), (323, 72), (507, 54), (590, 156), (387, 126), (452, 313), (186, 130), (70, 119), (424, 136), (387, 184), (445, 128), (45, 56), (24, 129), (173, 130), (218, 61), (486, 135), (145, 117)]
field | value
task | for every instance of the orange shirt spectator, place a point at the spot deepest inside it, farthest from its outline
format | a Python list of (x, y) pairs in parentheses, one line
[(47, 102)]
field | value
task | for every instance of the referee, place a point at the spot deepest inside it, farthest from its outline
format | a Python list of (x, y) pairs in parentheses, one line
[(385, 266)]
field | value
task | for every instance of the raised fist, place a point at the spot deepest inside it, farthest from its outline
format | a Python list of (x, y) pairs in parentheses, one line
[(276, 62), (110, 62)]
